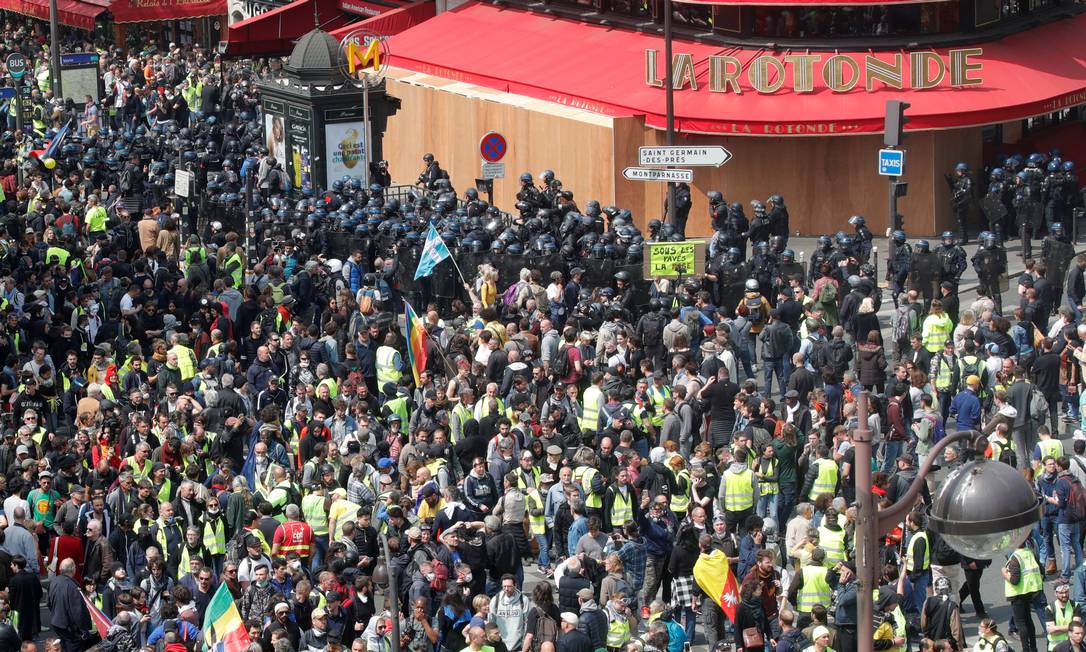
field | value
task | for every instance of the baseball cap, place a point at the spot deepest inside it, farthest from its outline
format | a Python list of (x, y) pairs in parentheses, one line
[(972, 380), (45, 474), (319, 612), (21, 449), (586, 594), (554, 449), (570, 617)]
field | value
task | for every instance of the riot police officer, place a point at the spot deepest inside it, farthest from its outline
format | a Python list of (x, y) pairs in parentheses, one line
[(528, 193), (961, 186), (1057, 253), (432, 172), (737, 222), (990, 263), (863, 237), (1053, 192), (763, 267), (731, 276), (788, 270), (718, 210), (952, 260), (899, 265), (778, 217), (759, 230), (922, 269), (1027, 205), (995, 211), (820, 256)]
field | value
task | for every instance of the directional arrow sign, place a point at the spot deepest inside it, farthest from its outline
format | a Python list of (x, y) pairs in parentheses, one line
[(714, 155), (649, 174)]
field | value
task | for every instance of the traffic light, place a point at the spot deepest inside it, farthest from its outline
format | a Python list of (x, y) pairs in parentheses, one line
[(901, 188), (895, 122)]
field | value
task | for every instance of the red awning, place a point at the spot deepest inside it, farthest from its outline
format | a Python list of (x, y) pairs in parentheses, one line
[(79, 14), (367, 9), (141, 11), (274, 32), (392, 22), (603, 69)]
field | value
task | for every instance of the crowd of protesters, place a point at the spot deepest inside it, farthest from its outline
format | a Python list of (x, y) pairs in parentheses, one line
[(177, 419)]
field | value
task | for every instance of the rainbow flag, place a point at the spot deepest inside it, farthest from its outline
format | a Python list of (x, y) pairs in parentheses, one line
[(101, 622), (714, 575), (416, 341), (223, 629)]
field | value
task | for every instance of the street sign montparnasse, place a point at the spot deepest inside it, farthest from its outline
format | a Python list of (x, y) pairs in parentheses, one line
[(650, 174), (711, 155)]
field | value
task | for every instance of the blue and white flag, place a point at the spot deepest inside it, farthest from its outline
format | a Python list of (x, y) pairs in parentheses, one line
[(433, 252)]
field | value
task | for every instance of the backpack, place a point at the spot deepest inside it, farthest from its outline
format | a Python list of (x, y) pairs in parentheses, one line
[(509, 297), (235, 547), (1076, 500), (972, 369), (652, 332), (817, 356), (560, 362), (902, 323), (837, 357), (938, 429), (1038, 404), (755, 310), (692, 321), (546, 629), (827, 295), (1009, 457), (440, 583)]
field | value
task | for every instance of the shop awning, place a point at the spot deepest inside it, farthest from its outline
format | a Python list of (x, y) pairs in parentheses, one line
[(806, 4), (392, 22), (140, 11), (274, 32), (79, 14), (607, 70)]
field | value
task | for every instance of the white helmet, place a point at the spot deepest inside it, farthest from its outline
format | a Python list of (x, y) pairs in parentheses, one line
[(335, 265)]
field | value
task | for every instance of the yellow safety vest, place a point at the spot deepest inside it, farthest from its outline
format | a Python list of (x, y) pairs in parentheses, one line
[(658, 396), (314, 514), (1030, 581), (464, 414), (618, 633), (215, 537), (592, 500), (484, 406), (680, 497), (590, 414), (622, 508), (738, 490), (833, 542), (59, 255), (936, 331), (910, 563), (944, 373), (1050, 448), (165, 490), (96, 219), (238, 275), (386, 370), (826, 482), (1062, 617), (815, 589), (186, 362), (538, 524), (139, 474), (768, 487)]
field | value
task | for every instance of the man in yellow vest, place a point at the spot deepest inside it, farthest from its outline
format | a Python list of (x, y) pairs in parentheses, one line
[(315, 512), (94, 220), (592, 401), (186, 357), (1046, 447), (1022, 581), (618, 503), (280, 495), (937, 328), (591, 480), (831, 538), (917, 562), (390, 366), (214, 530), (1059, 615), (822, 475), (738, 492), (811, 587)]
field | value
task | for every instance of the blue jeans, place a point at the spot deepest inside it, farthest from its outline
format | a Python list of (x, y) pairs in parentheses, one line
[(691, 622), (890, 452), (1045, 529), (320, 549), (767, 505), (1070, 547), (916, 593), (773, 367), (544, 551)]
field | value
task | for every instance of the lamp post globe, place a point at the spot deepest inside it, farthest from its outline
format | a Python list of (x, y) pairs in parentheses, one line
[(985, 509)]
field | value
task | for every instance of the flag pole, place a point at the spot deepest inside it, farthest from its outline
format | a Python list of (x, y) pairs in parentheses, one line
[(453, 259)]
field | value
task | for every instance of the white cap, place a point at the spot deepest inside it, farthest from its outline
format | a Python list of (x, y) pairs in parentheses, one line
[(1078, 435), (571, 618)]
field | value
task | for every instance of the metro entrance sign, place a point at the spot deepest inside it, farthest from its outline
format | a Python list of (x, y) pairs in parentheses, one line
[(713, 155), (649, 174)]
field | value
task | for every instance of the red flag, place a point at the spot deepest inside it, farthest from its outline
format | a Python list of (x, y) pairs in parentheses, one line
[(714, 575), (101, 622)]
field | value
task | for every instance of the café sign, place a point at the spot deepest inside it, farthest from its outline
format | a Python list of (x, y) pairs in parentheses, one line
[(840, 73)]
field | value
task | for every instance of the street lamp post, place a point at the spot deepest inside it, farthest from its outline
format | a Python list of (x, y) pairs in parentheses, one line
[(985, 507), (669, 104)]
